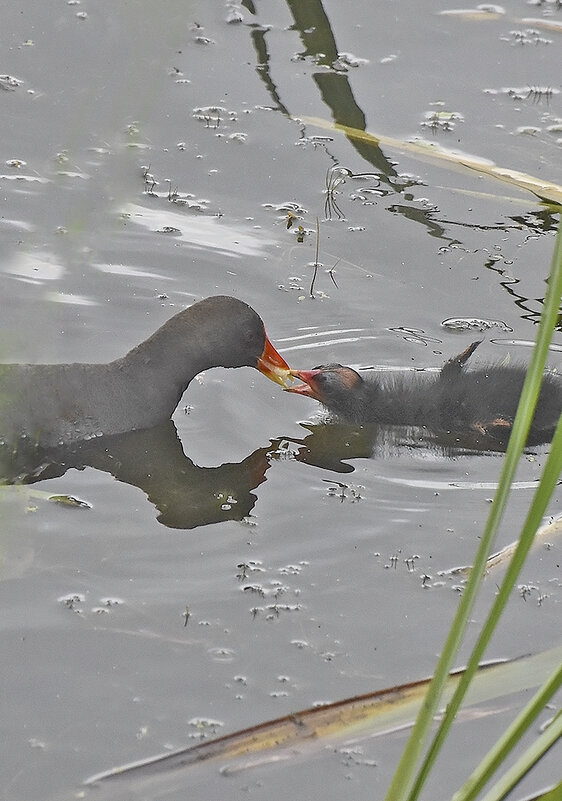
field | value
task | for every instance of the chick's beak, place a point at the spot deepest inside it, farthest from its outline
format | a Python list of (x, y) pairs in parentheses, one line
[(307, 387), (273, 365)]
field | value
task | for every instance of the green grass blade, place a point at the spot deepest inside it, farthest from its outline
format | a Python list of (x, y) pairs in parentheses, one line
[(553, 794), (548, 481), (524, 764), (403, 785), (509, 739)]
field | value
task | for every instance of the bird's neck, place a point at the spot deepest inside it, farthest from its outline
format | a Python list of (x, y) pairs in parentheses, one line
[(167, 361)]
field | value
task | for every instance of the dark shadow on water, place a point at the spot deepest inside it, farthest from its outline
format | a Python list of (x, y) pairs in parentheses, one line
[(332, 445), (187, 496)]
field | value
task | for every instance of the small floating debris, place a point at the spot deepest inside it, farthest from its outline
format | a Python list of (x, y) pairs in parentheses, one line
[(234, 16), (533, 93), (528, 130), (72, 600), (524, 37), (9, 83), (69, 500), (345, 60), (212, 116), (441, 120), (547, 24), (484, 11), (473, 324)]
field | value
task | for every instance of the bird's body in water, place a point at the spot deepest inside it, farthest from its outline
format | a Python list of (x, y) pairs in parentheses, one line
[(480, 401), (48, 405)]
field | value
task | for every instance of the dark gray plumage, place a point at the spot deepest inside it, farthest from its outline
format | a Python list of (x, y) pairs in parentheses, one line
[(54, 404), (482, 401)]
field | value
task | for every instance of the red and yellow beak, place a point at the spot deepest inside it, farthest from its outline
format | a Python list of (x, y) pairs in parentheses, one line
[(308, 386), (273, 365)]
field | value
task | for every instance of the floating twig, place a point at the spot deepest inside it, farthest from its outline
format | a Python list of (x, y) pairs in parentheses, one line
[(315, 273)]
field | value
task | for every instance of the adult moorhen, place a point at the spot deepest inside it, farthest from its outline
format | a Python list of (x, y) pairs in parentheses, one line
[(482, 401), (56, 404)]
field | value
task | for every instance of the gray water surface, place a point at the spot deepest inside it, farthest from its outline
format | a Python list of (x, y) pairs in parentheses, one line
[(151, 154)]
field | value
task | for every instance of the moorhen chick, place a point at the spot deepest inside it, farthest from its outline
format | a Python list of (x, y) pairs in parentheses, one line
[(482, 401), (56, 404)]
